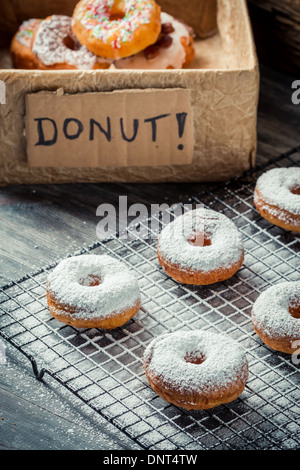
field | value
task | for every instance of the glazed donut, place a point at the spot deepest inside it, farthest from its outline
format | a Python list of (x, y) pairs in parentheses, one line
[(55, 47), (276, 316), (20, 49), (116, 28), (196, 369), (277, 197), (200, 247), (173, 50), (92, 291)]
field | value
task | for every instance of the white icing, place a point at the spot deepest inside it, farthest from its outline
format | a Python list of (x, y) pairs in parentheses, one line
[(275, 187), (50, 48), (270, 311), (118, 289), (226, 246), (173, 56), (224, 361)]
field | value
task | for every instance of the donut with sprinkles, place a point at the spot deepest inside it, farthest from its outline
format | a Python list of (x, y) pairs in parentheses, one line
[(116, 28), (20, 49)]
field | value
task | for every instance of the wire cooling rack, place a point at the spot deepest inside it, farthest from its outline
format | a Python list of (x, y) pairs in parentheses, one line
[(104, 368)]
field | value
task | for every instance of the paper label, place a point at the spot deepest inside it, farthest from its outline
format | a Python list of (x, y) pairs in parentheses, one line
[(110, 129)]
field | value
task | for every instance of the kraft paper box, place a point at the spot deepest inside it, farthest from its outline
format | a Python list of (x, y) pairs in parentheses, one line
[(196, 124)]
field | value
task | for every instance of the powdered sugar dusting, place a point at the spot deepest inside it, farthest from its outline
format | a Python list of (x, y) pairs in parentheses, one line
[(226, 246), (173, 56), (224, 360), (50, 48), (270, 311), (117, 291), (275, 186)]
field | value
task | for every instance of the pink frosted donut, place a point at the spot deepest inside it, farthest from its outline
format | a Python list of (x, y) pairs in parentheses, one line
[(277, 197), (196, 369), (200, 247), (276, 316), (173, 50), (55, 47)]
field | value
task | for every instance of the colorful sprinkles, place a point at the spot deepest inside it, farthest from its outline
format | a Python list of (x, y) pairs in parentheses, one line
[(95, 17), (26, 30)]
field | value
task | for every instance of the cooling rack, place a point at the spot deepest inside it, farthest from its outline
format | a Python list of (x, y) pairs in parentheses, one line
[(104, 368)]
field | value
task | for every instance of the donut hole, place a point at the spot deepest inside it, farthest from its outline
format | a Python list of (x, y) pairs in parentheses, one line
[(90, 281), (69, 43), (195, 358), (296, 190), (116, 16), (294, 309), (199, 239), (116, 13)]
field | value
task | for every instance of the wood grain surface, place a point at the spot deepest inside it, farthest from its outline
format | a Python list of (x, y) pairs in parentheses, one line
[(276, 26)]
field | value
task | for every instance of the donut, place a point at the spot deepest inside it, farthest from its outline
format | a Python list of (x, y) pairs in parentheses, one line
[(196, 369), (173, 49), (116, 28), (200, 247), (276, 316), (20, 48), (55, 47), (277, 197), (92, 291)]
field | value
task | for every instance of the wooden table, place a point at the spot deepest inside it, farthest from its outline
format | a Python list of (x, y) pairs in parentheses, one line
[(41, 224)]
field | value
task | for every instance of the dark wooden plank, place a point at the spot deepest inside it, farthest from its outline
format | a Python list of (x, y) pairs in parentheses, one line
[(43, 224), (41, 416), (276, 26)]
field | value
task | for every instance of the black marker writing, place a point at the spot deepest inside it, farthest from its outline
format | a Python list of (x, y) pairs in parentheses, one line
[(181, 120), (73, 128), (106, 132), (66, 127), (135, 129), (41, 135), (154, 126)]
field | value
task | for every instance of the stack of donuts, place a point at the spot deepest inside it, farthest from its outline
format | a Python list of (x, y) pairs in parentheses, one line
[(102, 34)]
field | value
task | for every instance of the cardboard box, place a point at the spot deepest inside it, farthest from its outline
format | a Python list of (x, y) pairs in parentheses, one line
[(210, 109)]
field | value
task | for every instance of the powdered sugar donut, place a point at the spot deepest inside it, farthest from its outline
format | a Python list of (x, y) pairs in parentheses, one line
[(20, 49), (196, 369), (277, 197), (200, 247), (173, 50), (116, 28), (276, 316), (55, 47), (90, 291)]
